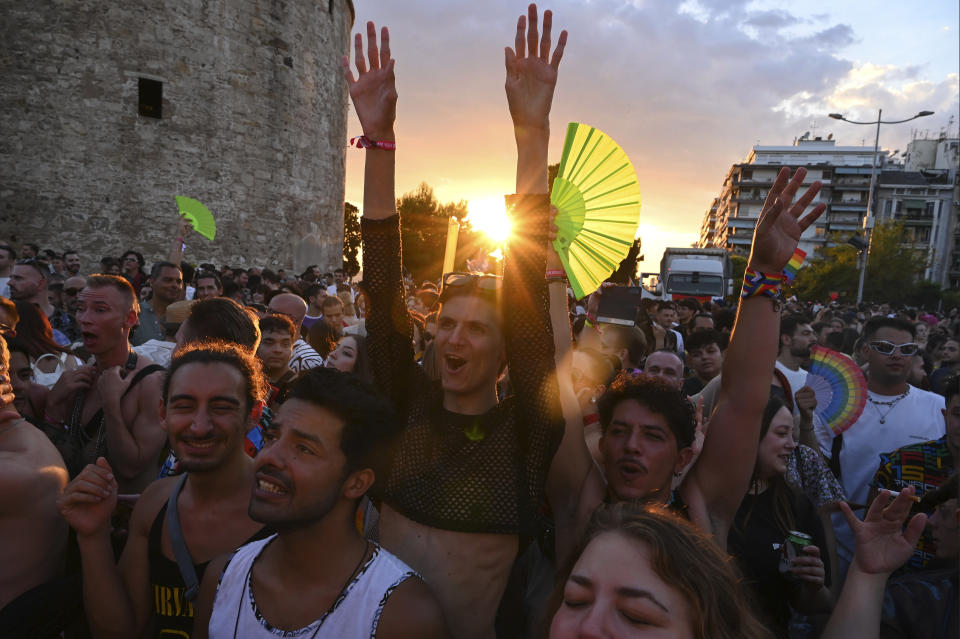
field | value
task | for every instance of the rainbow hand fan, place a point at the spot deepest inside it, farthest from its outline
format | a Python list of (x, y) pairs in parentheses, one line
[(598, 207), (840, 387), (198, 215)]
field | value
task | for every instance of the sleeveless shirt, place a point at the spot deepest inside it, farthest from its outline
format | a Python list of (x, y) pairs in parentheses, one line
[(173, 614), (355, 614)]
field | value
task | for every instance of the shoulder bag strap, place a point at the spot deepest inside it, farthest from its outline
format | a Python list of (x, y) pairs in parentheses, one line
[(184, 560)]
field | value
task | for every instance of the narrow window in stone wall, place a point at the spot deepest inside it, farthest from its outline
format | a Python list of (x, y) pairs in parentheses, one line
[(150, 98)]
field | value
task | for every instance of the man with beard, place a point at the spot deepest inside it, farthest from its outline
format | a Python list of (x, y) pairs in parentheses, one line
[(896, 414), (71, 293), (318, 576), (796, 339), (29, 283), (209, 398), (71, 260), (166, 281), (110, 407)]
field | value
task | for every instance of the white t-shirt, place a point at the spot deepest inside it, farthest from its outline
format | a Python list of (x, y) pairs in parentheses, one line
[(915, 418), (797, 379)]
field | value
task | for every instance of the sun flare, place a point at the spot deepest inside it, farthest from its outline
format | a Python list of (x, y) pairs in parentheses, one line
[(490, 216)]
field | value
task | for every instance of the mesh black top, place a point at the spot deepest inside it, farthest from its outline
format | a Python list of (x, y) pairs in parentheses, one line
[(493, 480)]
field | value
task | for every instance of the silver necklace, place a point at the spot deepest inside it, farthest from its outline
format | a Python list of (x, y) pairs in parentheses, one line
[(892, 404)]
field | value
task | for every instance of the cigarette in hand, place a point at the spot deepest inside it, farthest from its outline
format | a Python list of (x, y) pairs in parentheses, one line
[(894, 494)]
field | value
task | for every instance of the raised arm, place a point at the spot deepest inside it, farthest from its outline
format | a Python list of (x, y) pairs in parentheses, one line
[(721, 477), (531, 78), (575, 486), (882, 546), (374, 95), (180, 241)]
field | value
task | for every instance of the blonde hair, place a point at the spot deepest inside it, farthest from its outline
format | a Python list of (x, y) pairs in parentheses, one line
[(347, 298)]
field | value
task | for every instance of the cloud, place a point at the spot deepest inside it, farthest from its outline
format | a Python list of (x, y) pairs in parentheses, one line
[(686, 90), (773, 19)]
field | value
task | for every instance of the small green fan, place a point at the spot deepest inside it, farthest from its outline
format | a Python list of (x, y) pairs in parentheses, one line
[(598, 207), (198, 215)]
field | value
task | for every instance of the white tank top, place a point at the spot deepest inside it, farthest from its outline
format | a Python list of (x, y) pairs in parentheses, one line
[(355, 614)]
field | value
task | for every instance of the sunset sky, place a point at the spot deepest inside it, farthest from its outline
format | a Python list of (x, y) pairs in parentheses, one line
[(686, 88)]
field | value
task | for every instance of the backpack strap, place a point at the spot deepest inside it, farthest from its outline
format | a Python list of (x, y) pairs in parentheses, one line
[(184, 560), (834, 461)]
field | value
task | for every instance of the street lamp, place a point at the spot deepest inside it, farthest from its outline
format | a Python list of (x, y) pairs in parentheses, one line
[(868, 221)]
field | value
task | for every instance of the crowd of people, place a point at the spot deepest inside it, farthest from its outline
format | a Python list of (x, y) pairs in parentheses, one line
[(225, 452)]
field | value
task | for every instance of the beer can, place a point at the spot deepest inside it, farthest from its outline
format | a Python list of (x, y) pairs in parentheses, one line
[(792, 548)]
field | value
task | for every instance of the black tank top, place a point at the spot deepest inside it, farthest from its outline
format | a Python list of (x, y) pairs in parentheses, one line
[(172, 612)]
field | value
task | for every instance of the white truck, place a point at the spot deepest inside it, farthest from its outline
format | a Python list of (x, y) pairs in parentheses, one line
[(703, 274)]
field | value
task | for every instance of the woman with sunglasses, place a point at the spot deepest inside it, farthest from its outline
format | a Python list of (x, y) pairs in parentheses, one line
[(47, 358)]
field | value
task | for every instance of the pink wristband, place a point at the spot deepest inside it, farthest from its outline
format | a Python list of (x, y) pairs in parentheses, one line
[(363, 142)]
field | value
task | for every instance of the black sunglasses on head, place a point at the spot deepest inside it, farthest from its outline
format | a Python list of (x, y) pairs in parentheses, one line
[(483, 281)]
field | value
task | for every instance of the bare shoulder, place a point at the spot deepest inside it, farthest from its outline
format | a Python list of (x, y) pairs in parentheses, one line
[(412, 611), (149, 503), (28, 447)]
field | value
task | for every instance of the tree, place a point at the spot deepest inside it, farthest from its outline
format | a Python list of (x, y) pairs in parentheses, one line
[(892, 270), (423, 232), (351, 239)]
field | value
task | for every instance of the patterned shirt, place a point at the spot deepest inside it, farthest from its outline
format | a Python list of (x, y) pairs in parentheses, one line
[(303, 357), (808, 474), (924, 466), (63, 322)]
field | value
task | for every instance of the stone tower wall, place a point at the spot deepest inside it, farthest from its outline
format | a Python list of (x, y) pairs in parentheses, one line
[(253, 125)]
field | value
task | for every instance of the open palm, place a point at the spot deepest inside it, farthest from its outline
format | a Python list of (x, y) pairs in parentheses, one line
[(882, 544), (782, 222), (373, 90), (531, 71)]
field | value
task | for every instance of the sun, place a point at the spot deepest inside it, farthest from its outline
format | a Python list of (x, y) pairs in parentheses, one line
[(489, 215)]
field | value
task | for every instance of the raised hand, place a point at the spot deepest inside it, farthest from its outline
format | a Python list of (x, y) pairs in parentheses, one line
[(780, 224), (88, 500), (532, 71), (806, 400), (373, 91), (882, 544)]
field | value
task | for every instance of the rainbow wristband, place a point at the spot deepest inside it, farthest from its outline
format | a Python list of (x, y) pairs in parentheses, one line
[(757, 284)]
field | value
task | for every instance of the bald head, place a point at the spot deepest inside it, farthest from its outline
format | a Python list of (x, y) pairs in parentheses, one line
[(289, 304), (665, 365)]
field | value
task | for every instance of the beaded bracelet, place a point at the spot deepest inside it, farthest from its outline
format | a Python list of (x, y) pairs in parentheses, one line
[(756, 284), (363, 142)]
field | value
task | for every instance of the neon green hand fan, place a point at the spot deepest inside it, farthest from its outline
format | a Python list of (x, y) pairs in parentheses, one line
[(198, 215), (598, 207)]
